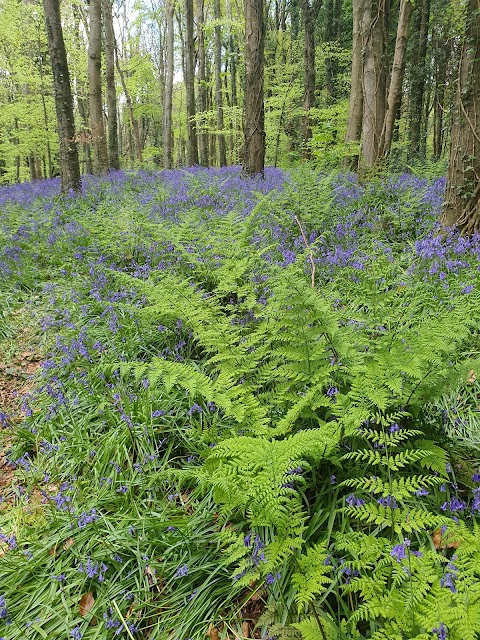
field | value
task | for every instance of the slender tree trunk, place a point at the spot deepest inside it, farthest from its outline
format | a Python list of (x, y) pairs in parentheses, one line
[(355, 116), (202, 85), (310, 10), (417, 78), (374, 82), (443, 50), (83, 112), (192, 143), (332, 35), (396, 78), (111, 91), (129, 103), (462, 202), (167, 104), (254, 146), (45, 119), (69, 167), (100, 152), (222, 153)]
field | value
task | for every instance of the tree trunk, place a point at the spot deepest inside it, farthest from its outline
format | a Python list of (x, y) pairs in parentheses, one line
[(82, 110), (462, 202), (417, 79), (332, 35), (310, 10), (45, 119), (441, 58), (112, 121), (222, 153), (192, 143), (254, 145), (374, 82), (167, 104), (355, 116), (69, 167), (129, 103), (396, 78), (202, 86), (100, 153)]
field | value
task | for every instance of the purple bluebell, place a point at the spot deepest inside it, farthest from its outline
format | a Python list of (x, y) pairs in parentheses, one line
[(182, 571), (441, 631), (399, 551)]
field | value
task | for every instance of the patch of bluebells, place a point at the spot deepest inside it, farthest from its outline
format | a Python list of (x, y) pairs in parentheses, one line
[(399, 551), (353, 501), (93, 569), (86, 518)]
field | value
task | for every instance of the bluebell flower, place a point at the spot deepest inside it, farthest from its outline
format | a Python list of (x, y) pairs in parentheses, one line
[(353, 501), (441, 631), (182, 571), (399, 551), (295, 472), (76, 633), (422, 492), (270, 578), (449, 581), (455, 504), (195, 408), (388, 501), (3, 607), (86, 518)]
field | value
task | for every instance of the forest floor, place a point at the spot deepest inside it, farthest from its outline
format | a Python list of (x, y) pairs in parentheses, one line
[(238, 409)]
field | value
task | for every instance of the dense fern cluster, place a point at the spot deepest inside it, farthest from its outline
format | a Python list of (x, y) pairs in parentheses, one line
[(214, 429)]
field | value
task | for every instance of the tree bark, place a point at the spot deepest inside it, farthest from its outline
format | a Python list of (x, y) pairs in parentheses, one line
[(192, 143), (332, 35), (442, 50), (168, 95), (69, 166), (222, 153), (100, 152), (417, 79), (374, 82), (202, 86), (129, 103), (254, 145), (396, 78), (310, 10), (462, 202), (355, 115), (112, 121)]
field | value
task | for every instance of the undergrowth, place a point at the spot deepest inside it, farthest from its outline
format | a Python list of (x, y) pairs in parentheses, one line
[(217, 446)]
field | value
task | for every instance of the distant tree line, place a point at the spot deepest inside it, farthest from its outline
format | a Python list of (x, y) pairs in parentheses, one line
[(363, 84)]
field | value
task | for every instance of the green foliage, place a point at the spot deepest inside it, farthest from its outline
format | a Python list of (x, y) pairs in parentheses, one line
[(236, 436)]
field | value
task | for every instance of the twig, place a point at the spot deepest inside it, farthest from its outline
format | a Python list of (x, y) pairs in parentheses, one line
[(308, 247)]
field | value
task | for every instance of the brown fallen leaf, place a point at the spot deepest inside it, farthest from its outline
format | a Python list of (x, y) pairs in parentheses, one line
[(437, 540), (212, 633), (245, 629), (472, 376), (68, 543), (86, 603)]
